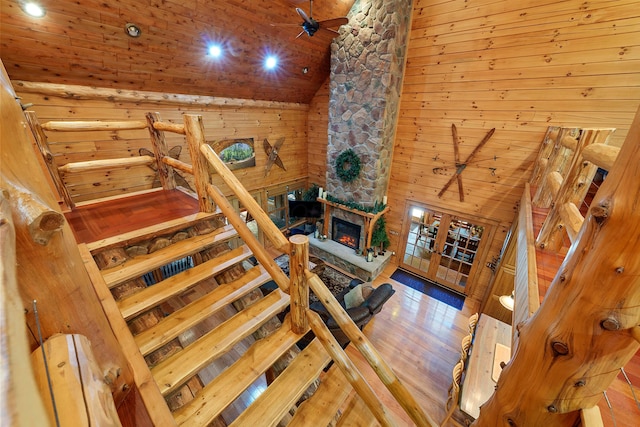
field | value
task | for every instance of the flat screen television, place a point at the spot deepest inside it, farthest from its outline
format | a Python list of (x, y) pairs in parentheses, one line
[(302, 209)]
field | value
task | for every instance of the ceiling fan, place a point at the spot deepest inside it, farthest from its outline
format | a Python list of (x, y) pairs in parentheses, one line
[(311, 26)]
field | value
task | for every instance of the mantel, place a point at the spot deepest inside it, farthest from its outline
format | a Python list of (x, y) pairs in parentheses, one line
[(370, 219)]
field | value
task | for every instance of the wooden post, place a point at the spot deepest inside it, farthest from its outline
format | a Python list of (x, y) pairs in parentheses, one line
[(43, 146), (194, 129), (160, 150), (574, 346), (298, 265), (558, 161), (542, 160), (20, 403)]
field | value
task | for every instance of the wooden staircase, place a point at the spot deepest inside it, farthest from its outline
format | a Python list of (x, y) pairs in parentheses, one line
[(160, 319), (206, 346)]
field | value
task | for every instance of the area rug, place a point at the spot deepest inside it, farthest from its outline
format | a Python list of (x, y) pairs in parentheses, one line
[(335, 281), (429, 288)]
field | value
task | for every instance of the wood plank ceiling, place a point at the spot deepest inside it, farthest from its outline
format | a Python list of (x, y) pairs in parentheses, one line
[(84, 43)]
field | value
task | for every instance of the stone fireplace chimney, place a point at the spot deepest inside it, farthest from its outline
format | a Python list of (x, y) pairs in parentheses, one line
[(367, 65)]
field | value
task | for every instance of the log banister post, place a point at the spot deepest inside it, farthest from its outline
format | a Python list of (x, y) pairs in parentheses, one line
[(299, 292), (194, 130), (160, 150), (593, 299)]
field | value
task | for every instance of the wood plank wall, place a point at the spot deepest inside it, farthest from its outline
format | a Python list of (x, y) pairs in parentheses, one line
[(518, 66), (219, 122)]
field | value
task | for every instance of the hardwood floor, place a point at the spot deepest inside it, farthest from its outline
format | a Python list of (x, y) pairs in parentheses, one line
[(111, 218), (418, 336)]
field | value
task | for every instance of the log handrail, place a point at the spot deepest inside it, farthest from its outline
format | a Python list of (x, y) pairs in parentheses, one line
[(601, 155), (371, 355), (92, 165), (93, 125), (271, 231), (178, 164), (169, 127), (349, 370), (247, 236), (572, 219)]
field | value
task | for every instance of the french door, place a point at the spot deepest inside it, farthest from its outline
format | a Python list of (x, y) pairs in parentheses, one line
[(442, 247)]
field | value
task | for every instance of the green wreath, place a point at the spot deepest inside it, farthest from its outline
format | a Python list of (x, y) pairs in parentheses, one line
[(348, 165)]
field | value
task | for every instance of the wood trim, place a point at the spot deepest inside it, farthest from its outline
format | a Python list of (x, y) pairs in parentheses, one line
[(118, 95)]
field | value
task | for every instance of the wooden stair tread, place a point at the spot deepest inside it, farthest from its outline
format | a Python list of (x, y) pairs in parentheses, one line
[(142, 264), (183, 319), (321, 408), (150, 231), (271, 406), (174, 285), (226, 387), (175, 370), (357, 414)]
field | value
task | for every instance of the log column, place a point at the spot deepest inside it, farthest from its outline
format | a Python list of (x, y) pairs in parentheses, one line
[(298, 265), (570, 351)]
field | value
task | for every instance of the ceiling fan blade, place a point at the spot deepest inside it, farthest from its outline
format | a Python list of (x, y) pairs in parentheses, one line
[(284, 25), (303, 15), (335, 22)]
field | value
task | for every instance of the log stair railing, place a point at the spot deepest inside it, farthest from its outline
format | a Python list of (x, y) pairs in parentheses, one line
[(562, 176), (168, 332), (59, 173)]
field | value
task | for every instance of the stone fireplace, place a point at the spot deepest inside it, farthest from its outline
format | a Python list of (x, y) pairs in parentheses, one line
[(345, 233), (367, 67)]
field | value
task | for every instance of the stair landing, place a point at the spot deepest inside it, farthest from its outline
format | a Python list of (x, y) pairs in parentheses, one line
[(114, 217)]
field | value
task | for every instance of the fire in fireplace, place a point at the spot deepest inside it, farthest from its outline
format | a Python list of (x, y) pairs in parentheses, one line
[(345, 232)]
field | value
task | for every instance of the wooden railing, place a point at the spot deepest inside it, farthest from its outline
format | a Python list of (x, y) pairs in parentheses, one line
[(562, 177), (299, 282), (586, 328), (58, 173)]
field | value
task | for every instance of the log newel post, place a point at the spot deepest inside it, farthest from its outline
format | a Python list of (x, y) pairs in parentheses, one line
[(160, 150), (591, 311), (299, 291), (194, 130)]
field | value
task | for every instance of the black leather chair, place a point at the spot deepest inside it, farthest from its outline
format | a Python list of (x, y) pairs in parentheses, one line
[(361, 315)]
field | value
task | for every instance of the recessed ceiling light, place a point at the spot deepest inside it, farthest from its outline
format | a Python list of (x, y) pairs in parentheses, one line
[(33, 9), (271, 62), (132, 30), (215, 51)]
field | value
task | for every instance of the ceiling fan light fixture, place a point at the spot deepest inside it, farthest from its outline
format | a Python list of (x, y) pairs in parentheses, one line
[(132, 30)]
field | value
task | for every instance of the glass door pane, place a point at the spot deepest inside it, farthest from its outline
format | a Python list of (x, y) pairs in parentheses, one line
[(461, 246), (441, 247), (421, 239)]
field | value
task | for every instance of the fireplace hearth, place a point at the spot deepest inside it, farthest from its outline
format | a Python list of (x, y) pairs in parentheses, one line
[(345, 233)]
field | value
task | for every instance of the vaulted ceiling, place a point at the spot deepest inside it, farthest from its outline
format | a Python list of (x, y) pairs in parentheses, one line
[(83, 42)]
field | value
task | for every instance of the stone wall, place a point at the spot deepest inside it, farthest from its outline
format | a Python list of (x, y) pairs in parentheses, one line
[(367, 64)]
